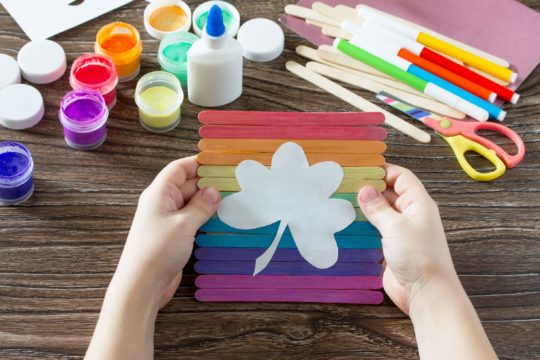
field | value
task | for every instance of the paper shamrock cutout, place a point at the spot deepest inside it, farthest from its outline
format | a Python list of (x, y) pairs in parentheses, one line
[(298, 196)]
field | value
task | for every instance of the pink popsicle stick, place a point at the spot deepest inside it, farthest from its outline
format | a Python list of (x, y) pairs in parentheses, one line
[(288, 282), (290, 295), (292, 132), (262, 118)]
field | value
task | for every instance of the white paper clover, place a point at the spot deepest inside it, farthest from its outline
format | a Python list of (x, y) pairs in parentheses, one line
[(295, 194)]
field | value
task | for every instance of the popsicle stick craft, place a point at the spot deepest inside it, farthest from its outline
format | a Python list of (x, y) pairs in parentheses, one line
[(289, 228)]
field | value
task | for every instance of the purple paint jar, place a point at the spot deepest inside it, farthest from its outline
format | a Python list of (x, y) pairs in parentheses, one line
[(84, 114), (16, 171)]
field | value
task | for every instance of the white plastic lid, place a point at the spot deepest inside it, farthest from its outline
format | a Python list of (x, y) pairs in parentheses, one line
[(262, 40), (42, 61), (10, 74), (21, 107)]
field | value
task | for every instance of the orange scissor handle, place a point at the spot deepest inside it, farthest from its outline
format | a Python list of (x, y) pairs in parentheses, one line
[(460, 145), (450, 127)]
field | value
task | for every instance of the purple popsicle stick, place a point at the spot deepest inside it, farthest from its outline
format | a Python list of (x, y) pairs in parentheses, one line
[(251, 254), (286, 268), (288, 282), (290, 295)]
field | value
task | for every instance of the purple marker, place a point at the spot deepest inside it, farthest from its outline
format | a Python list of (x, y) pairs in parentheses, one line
[(84, 114), (16, 170)]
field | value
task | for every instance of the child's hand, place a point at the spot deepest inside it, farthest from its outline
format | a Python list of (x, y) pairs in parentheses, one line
[(414, 243), (169, 213)]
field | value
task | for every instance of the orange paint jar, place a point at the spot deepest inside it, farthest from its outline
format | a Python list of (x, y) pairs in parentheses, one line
[(122, 43)]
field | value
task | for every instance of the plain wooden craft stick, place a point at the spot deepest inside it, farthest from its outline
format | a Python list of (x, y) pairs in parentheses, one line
[(357, 101), (309, 146), (487, 56), (309, 14), (335, 32), (346, 186), (355, 80), (335, 13), (316, 23), (206, 158), (223, 171)]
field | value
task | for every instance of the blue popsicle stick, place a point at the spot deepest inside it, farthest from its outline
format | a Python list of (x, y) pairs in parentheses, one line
[(286, 268), (217, 226), (493, 110), (286, 242)]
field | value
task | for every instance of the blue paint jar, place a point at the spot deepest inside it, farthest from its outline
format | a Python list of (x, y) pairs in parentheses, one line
[(16, 171)]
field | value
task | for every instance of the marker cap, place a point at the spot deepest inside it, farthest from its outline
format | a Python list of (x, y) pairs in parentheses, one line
[(10, 74), (42, 61), (21, 106), (262, 40)]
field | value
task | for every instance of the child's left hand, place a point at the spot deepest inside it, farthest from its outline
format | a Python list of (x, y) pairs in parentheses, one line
[(169, 213)]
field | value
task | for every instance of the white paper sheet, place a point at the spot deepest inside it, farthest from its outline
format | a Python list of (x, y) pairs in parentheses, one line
[(41, 19), (297, 195)]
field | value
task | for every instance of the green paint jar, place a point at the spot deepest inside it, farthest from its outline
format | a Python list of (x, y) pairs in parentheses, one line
[(231, 17), (172, 54)]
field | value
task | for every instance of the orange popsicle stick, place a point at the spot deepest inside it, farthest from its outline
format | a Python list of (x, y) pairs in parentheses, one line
[(210, 158), (310, 146)]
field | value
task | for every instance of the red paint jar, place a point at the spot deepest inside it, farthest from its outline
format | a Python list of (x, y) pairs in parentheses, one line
[(95, 72)]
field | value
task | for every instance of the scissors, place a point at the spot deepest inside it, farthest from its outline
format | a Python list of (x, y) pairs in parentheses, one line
[(462, 137)]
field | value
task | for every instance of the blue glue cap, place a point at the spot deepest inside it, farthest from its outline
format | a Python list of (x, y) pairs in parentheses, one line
[(214, 25)]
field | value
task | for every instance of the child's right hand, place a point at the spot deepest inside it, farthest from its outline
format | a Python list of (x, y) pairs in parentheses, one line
[(413, 239)]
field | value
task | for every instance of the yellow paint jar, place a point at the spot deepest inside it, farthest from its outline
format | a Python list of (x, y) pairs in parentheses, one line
[(163, 17), (122, 43), (159, 97)]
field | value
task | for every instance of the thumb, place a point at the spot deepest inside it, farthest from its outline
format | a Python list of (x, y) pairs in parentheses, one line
[(377, 209), (199, 209)]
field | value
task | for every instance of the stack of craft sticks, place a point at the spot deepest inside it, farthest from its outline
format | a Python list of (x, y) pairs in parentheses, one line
[(466, 80), (226, 256)]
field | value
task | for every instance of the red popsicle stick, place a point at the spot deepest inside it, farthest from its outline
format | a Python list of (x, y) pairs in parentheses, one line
[(292, 132), (501, 91), (288, 282), (290, 295), (216, 117)]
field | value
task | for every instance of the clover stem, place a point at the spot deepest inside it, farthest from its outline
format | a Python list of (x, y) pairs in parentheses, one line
[(262, 261)]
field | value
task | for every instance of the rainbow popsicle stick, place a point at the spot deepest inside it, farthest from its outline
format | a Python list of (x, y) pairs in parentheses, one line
[(283, 255), (290, 295)]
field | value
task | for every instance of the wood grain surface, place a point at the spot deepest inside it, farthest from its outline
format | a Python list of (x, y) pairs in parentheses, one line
[(58, 251)]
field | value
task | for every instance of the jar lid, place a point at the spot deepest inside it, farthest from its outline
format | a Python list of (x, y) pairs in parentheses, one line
[(42, 61), (262, 40), (10, 74), (21, 106)]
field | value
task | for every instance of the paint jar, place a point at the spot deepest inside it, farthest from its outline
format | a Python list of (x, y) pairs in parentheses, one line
[(95, 72), (159, 97), (162, 17), (172, 54), (122, 43), (16, 171), (231, 17), (84, 114)]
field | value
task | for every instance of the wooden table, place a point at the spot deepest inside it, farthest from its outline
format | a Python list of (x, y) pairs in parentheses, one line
[(59, 250)]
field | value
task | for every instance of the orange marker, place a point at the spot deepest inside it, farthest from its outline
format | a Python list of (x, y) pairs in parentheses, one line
[(448, 75), (209, 158)]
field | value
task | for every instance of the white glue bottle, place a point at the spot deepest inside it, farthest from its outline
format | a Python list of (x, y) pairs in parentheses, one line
[(214, 65)]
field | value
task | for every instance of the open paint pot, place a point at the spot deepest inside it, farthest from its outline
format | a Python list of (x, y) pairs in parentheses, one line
[(16, 172), (95, 72), (83, 114), (122, 43), (172, 54), (162, 17), (231, 17), (159, 97)]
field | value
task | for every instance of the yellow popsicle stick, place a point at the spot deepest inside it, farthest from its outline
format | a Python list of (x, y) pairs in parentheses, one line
[(467, 57), (309, 146), (346, 186), (359, 215), (216, 171)]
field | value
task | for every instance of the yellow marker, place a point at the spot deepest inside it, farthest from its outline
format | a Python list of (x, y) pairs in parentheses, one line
[(467, 57), (159, 97)]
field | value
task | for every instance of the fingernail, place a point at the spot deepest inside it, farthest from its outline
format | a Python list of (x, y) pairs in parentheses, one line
[(368, 194), (210, 195)]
